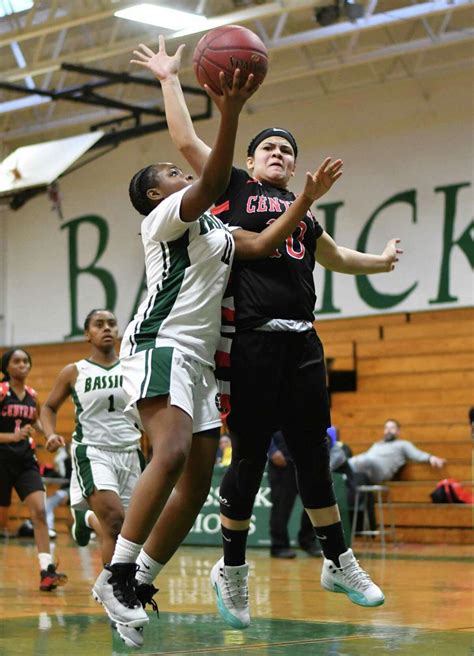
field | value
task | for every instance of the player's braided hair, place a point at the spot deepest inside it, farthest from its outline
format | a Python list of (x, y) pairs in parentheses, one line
[(7, 356), (143, 180)]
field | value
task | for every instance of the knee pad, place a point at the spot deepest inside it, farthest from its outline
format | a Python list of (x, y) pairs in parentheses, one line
[(240, 486), (314, 475)]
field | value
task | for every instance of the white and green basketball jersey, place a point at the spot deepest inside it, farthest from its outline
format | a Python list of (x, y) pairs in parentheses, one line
[(100, 402), (187, 269)]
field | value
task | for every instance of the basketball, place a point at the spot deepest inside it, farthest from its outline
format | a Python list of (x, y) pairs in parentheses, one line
[(225, 49)]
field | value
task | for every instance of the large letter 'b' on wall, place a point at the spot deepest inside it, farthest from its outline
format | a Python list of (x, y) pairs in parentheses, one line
[(367, 292), (75, 270)]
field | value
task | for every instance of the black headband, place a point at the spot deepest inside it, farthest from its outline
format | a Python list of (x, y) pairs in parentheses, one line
[(272, 132)]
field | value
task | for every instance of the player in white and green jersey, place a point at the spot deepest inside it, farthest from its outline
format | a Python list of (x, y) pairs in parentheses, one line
[(105, 448), (167, 350)]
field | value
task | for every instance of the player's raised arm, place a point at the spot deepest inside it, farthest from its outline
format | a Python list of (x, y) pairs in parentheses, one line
[(166, 68), (346, 260), (216, 172), (251, 245)]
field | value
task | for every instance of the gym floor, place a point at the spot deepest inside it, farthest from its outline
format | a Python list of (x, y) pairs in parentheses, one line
[(428, 609)]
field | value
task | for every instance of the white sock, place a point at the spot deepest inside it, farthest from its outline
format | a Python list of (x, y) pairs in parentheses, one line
[(45, 559), (149, 568), (125, 551), (87, 516)]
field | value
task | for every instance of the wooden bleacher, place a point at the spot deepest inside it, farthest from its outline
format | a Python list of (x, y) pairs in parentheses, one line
[(417, 368)]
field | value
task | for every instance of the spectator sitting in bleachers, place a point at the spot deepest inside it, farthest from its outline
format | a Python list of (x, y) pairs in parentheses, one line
[(385, 457)]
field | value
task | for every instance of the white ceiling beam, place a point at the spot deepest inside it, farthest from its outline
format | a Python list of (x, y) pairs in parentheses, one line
[(380, 54), (242, 16), (75, 122), (377, 21)]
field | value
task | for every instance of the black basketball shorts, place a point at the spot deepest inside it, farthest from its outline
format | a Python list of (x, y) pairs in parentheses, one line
[(278, 382), (21, 473)]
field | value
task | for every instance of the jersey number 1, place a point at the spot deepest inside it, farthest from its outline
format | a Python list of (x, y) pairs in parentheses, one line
[(111, 403)]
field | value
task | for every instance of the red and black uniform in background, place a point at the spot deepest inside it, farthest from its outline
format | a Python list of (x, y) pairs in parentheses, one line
[(277, 378), (18, 465)]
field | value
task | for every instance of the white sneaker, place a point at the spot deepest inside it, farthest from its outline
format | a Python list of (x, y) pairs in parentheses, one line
[(231, 587), (114, 589), (132, 637), (351, 579)]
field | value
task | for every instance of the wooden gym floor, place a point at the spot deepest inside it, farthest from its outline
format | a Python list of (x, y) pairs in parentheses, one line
[(428, 609)]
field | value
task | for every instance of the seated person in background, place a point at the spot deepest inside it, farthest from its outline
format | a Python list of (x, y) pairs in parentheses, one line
[(283, 491), (385, 457)]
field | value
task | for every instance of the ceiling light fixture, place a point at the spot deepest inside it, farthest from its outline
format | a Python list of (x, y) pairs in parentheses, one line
[(327, 15), (170, 19), (14, 7), (353, 10), (330, 14)]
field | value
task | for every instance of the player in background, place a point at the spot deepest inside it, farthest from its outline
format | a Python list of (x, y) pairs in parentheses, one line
[(105, 451), (18, 464)]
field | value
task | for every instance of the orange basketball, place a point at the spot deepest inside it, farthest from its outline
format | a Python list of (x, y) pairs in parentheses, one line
[(225, 49)]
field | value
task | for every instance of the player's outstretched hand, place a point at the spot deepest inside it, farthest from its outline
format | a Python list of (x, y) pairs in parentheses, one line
[(320, 182), (159, 63), (391, 253), (235, 96)]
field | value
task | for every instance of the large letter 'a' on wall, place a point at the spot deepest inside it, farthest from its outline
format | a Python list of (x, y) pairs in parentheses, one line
[(366, 290), (75, 270), (465, 242)]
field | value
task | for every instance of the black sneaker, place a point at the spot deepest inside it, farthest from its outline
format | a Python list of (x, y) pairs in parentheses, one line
[(145, 592), (51, 579)]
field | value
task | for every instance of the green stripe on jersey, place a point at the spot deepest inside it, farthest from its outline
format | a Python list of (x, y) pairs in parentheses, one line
[(157, 375), (174, 269), (175, 264), (84, 470), (78, 433), (160, 375)]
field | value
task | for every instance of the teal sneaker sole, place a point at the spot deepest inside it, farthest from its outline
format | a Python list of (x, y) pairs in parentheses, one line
[(358, 598), (227, 616)]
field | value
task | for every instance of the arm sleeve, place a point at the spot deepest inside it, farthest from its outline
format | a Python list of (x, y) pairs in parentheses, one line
[(164, 222), (412, 453)]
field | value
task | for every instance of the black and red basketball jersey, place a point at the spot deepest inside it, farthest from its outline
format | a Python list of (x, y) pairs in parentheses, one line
[(15, 413), (280, 286)]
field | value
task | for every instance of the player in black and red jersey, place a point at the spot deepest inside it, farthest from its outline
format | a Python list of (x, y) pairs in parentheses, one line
[(277, 374), (18, 465)]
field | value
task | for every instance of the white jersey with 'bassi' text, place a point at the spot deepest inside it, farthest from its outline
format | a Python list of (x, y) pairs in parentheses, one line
[(187, 269), (100, 401)]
